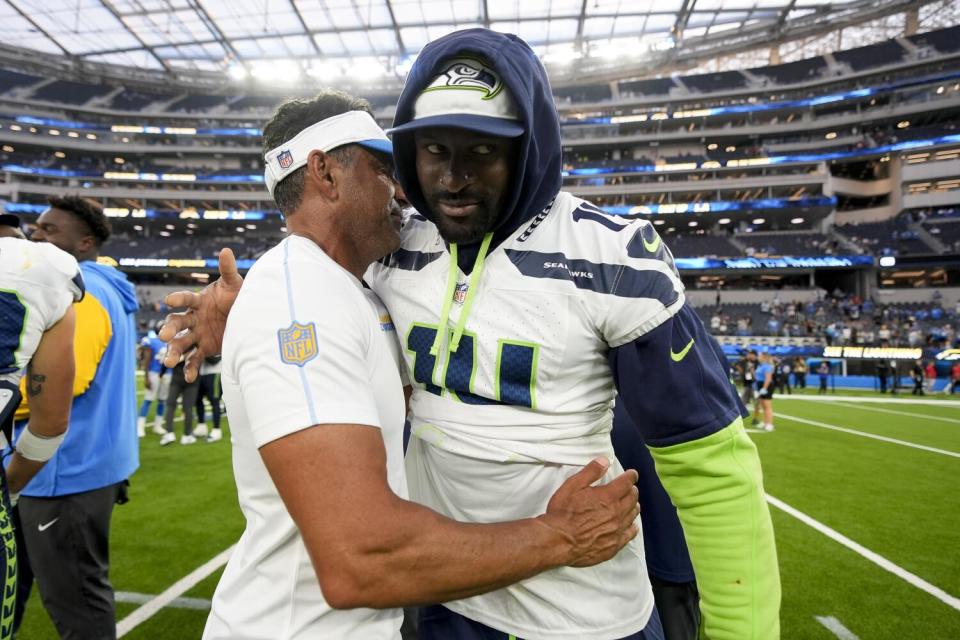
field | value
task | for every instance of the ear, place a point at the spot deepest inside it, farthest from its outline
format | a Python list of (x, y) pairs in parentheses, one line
[(321, 175), (87, 244)]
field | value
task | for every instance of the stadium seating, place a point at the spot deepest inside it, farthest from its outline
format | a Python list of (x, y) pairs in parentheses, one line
[(875, 55), (13, 79), (701, 246), (793, 72), (652, 87), (787, 244), (70, 92), (130, 100), (197, 103), (889, 237), (944, 40), (713, 82)]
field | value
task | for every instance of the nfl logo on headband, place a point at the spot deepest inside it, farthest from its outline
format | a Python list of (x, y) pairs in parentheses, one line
[(285, 159)]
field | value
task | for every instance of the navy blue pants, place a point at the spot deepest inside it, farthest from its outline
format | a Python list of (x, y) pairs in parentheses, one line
[(439, 623)]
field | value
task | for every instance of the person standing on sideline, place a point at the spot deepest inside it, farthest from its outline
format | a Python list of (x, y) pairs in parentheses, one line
[(766, 380), (209, 389), (824, 372), (883, 372), (954, 377), (180, 388), (66, 509), (156, 381), (930, 376), (916, 374)]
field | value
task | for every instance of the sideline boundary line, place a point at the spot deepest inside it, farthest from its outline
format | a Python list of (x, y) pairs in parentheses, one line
[(888, 399), (875, 558), (146, 611), (864, 434)]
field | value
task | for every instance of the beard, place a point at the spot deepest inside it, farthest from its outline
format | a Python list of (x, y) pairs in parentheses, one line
[(467, 229)]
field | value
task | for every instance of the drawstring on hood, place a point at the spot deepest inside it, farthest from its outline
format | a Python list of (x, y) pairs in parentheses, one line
[(536, 178)]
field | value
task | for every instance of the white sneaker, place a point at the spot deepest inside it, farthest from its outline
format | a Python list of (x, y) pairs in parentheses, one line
[(141, 431), (187, 439), (167, 438), (216, 435), (158, 429), (768, 427), (201, 430)]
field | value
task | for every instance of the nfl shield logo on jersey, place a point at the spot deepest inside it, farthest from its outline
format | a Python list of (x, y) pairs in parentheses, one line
[(460, 293), (285, 159), (298, 343)]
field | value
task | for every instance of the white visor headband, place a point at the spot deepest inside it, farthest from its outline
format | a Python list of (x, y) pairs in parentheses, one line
[(352, 127)]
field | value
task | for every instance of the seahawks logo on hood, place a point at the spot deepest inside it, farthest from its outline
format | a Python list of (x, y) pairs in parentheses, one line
[(468, 74)]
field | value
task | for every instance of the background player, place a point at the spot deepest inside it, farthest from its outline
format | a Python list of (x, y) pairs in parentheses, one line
[(156, 381)]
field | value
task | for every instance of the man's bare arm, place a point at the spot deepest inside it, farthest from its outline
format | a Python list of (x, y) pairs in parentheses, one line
[(49, 384), (370, 548), (198, 331)]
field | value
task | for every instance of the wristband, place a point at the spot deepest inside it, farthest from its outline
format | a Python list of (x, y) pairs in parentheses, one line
[(37, 448)]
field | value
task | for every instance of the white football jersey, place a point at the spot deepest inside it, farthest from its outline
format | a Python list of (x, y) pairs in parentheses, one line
[(526, 399), (38, 283), (305, 345)]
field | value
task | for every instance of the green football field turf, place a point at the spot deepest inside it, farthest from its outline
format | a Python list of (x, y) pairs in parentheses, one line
[(887, 481)]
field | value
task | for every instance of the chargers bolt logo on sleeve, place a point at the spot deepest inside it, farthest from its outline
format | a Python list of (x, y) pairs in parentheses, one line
[(298, 343), (285, 159)]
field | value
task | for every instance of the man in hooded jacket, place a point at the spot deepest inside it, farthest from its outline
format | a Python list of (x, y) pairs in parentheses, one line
[(521, 310)]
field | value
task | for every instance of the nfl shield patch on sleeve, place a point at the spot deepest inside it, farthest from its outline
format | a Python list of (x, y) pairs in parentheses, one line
[(298, 343)]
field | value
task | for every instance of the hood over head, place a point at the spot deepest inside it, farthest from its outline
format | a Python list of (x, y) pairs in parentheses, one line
[(531, 117)]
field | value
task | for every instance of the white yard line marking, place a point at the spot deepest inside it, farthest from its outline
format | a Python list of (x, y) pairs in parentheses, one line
[(836, 627), (888, 399), (900, 413), (902, 443), (197, 604), (877, 559), (146, 611)]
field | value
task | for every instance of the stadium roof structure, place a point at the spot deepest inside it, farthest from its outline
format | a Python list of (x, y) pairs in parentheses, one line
[(199, 42)]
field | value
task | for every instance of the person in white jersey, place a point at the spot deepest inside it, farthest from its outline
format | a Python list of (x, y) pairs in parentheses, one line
[(38, 285), (521, 311), (332, 547)]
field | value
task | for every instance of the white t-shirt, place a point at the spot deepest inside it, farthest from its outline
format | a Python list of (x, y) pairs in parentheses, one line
[(305, 345)]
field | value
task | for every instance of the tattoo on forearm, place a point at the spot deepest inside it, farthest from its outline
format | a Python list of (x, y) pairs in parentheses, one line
[(35, 384)]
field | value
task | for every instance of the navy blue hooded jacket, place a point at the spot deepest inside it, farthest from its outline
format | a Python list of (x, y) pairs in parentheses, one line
[(537, 173)]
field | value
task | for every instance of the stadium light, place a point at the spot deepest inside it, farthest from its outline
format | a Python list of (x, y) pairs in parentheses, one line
[(903, 124), (73, 134), (366, 69), (796, 221), (758, 221), (281, 71), (325, 70), (237, 72), (730, 149), (692, 223), (137, 227), (91, 136), (940, 90), (16, 127), (7, 148), (119, 160), (712, 146), (561, 55), (56, 132), (659, 222), (59, 154), (831, 135), (723, 221)]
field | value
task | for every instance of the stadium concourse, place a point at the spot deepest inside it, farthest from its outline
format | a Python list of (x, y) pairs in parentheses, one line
[(799, 158)]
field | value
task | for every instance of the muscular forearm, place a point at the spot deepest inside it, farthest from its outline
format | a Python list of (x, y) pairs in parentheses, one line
[(717, 486), (412, 556)]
